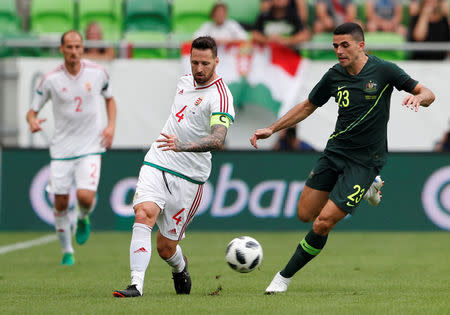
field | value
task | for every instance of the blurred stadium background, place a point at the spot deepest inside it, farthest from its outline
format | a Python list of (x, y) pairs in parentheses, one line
[(248, 190)]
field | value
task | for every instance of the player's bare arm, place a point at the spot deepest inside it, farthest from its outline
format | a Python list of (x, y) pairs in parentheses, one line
[(292, 117), (215, 141), (108, 132), (421, 96), (34, 121)]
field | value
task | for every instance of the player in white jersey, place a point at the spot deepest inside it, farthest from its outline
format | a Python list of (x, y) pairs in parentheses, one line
[(170, 184), (76, 89)]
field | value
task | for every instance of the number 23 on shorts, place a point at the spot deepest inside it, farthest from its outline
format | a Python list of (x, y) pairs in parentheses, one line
[(355, 197)]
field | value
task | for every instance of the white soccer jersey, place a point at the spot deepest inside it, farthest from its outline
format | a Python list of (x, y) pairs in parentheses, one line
[(190, 120), (77, 102)]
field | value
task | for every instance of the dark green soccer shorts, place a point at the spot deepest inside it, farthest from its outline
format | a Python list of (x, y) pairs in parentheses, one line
[(346, 181)]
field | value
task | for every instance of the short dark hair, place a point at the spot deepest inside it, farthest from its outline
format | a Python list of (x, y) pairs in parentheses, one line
[(70, 31), (352, 29), (204, 43)]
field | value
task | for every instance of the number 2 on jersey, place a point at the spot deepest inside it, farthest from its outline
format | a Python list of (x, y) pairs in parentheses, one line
[(79, 101), (180, 114)]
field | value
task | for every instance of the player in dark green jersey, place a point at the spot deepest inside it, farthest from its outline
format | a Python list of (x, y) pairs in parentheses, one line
[(356, 151)]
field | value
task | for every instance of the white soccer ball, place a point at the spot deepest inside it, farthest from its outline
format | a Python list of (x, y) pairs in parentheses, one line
[(244, 254)]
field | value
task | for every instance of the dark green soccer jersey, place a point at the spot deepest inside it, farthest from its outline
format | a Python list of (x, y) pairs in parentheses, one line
[(364, 101)]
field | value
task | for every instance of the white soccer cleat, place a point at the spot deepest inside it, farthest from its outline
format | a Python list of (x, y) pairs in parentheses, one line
[(373, 195), (278, 284)]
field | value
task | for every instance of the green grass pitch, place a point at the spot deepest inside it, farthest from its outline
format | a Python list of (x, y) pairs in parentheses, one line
[(356, 273)]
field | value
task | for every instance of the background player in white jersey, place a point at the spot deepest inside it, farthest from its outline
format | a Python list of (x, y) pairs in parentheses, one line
[(170, 184), (76, 89)]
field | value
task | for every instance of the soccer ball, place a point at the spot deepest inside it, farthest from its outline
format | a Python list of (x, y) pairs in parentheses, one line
[(244, 254)]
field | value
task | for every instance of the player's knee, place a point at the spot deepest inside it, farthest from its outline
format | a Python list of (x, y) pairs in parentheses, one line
[(165, 251), (61, 202), (323, 225), (85, 198), (304, 215), (140, 216)]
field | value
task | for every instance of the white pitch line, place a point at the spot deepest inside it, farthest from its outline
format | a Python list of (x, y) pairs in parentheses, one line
[(22, 245)]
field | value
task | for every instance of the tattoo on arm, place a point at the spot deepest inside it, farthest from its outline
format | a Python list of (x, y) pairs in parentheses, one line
[(214, 141)]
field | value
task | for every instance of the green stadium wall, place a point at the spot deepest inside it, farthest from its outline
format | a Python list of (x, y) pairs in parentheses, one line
[(246, 191)]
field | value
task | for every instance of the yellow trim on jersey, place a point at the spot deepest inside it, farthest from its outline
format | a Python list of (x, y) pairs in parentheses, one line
[(220, 119)]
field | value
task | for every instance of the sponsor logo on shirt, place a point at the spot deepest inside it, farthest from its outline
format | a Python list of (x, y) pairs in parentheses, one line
[(371, 87), (181, 92), (198, 101), (88, 86)]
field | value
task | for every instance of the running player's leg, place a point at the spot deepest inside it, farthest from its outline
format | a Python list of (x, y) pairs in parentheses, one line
[(63, 230), (171, 252), (309, 247), (149, 200), (182, 203), (87, 175), (311, 203), (60, 182)]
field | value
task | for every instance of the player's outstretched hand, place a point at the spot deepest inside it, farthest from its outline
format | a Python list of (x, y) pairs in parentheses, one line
[(168, 143), (412, 102), (107, 137), (260, 134), (35, 124)]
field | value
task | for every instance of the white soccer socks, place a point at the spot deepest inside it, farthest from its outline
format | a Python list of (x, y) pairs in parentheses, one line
[(278, 284), (177, 261), (373, 195), (62, 227), (140, 253)]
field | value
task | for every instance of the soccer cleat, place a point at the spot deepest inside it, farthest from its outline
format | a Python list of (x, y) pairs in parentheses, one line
[(373, 195), (68, 259), (182, 280), (278, 284), (83, 230), (130, 291)]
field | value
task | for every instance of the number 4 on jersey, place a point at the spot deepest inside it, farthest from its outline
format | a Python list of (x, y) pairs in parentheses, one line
[(180, 114)]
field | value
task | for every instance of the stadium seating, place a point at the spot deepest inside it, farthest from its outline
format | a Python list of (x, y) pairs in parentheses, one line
[(384, 38), (145, 37), (147, 15), (9, 20), (188, 16), (19, 51), (245, 12), (107, 13), (50, 16), (326, 38)]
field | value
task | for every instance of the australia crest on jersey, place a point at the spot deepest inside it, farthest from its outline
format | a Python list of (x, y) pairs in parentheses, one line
[(198, 101), (371, 87)]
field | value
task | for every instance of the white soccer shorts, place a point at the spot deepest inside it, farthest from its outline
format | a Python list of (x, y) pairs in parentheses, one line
[(177, 198), (84, 171)]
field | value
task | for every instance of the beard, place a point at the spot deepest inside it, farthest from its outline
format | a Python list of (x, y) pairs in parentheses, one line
[(202, 79)]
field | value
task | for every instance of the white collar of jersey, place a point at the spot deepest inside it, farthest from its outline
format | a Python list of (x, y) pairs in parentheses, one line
[(201, 87), (74, 77)]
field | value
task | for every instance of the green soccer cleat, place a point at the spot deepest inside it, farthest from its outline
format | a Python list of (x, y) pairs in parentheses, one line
[(68, 259), (83, 230)]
